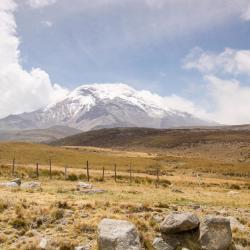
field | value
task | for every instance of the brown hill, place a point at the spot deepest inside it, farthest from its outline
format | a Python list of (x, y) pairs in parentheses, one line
[(157, 138)]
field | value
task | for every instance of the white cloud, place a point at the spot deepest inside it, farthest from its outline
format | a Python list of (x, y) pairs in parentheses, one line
[(230, 61), (231, 100), (20, 90), (40, 3)]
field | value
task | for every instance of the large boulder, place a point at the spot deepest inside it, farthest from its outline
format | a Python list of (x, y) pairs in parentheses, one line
[(215, 233), (160, 244), (179, 222), (117, 235)]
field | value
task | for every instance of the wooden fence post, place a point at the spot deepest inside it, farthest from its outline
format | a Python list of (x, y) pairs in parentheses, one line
[(50, 169), (13, 166), (37, 170), (130, 172), (65, 172), (115, 172), (157, 177), (88, 170), (103, 173)]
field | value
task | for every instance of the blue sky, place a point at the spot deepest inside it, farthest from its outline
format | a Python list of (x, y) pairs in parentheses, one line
[(84, 46), (195, 50)]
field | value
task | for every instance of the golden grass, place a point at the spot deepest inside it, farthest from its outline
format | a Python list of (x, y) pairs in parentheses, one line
[(68, 217)]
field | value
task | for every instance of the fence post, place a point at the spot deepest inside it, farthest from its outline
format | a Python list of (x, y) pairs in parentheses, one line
[(37, 170), (13, 166), (157, 177), (103, 173), (50, 169), (115, 172), (88, 170), (130, 172), (65, 172)]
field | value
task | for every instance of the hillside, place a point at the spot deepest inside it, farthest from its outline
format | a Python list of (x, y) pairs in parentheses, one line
[(157, 138), (38, 135)]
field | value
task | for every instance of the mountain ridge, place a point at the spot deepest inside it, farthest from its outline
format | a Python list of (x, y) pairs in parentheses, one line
[(104, 105)]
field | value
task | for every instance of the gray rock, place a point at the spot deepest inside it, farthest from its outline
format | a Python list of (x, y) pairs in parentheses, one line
[(117, 235), (93, 191), (33, 185), (83, 185), (82, 248), (179, 222), (43, 243), (215, 233), (9, 184), (160, 244), (235, 224), (18, 181)]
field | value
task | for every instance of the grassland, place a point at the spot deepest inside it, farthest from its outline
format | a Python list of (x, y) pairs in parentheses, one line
[(190, 180)]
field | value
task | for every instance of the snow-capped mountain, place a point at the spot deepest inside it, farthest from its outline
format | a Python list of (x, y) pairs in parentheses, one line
[(103, 106)]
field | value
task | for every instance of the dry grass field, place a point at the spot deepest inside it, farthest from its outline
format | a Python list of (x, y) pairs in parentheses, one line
[(190, 180)]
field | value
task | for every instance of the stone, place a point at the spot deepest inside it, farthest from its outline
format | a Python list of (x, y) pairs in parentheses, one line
[(215, 233), (83, 185), (82, 248), (179, 222), (93, 191), (233, 192), (33, 185), (160, 244), (9, 184), (117, 235), (18, 181), (235, 224), (43, 243)]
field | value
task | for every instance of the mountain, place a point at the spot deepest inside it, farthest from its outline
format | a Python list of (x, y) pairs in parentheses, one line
[(99, 106), (159, 138), (38, 135)]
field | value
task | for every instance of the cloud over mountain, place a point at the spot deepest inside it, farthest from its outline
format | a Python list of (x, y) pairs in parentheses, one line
[(20, 90)]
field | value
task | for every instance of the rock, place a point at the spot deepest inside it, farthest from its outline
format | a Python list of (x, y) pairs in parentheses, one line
[(187, 239), (117, 235), (239, 247), (160, 244), (43, 243), (92, 191), (179, 222), (9, 184), (83, 185), (235, 224), (33, 185), (215, 233), (233, 192), (82, 248), (17, 181)]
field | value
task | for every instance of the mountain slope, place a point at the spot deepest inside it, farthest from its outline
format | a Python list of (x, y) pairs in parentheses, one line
[(104, 106), (38, 135), (158, 138)]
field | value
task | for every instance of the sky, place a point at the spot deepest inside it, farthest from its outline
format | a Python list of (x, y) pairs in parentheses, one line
[(194, 53)]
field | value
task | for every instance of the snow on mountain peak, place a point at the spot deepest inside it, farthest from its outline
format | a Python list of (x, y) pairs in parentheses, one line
[(110, 91)]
